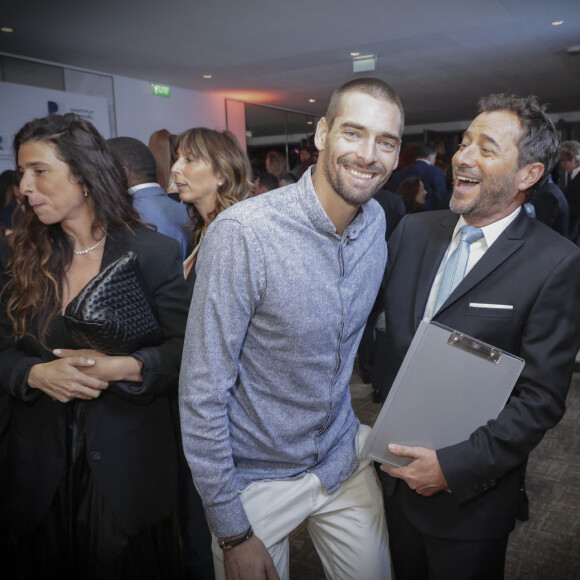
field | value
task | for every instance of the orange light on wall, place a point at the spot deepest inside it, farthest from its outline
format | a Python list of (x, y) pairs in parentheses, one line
[(249, 96)]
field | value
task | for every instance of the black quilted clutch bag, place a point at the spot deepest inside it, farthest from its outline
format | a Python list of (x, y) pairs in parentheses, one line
[(112, 313)]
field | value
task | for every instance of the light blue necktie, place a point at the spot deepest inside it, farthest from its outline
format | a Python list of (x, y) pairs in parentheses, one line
[(456, 265)]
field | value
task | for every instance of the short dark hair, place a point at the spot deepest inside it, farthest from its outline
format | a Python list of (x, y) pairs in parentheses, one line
[(425, 150), (374, 87), (136, 157), (539, 140), (287, 179), (268, 181)]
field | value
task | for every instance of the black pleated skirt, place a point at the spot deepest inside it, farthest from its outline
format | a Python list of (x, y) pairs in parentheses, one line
[(80, 537)]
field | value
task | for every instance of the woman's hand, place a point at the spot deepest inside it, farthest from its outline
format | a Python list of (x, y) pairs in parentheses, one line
[(67, 379), (107, 368)]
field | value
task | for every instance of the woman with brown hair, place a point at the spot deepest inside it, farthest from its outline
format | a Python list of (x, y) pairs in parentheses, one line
[(211, 173), (276, 164), (92, 458), (162, 145), (413, 192)]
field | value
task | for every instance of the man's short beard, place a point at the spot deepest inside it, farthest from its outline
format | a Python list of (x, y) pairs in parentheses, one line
[(494, 192)]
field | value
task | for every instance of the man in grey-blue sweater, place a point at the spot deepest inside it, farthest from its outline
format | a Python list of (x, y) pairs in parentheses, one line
[(285, 282)]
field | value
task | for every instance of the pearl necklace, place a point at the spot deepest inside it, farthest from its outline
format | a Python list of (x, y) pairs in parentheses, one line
[(91, 248)]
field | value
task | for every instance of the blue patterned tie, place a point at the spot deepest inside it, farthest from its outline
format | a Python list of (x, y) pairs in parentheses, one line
[(456, 265)]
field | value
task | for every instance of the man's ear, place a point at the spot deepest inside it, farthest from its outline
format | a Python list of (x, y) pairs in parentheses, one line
[(529, 174), (321, 134)]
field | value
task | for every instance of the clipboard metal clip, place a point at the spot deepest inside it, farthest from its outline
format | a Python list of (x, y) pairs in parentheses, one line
[(468, 344)]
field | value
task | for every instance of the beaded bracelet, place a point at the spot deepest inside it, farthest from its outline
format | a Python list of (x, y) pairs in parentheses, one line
[(229, 544)]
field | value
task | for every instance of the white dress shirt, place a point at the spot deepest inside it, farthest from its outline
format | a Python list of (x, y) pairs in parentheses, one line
[(491, 233)]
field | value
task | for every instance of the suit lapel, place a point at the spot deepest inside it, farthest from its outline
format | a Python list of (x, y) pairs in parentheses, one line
[(508, 242), (437, 241)]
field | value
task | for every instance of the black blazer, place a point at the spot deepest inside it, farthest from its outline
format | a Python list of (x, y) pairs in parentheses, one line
[(572, 193), (394, 208), (130, 440), (537, 272), (551, 208)]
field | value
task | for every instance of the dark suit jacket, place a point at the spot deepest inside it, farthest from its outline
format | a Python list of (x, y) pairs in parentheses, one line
[(536, 271), (130, 441), (551, 208), (432, 177), (393, 206), (572, 194)]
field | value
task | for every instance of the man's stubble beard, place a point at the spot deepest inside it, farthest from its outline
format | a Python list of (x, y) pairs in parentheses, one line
[(494, 192), (351, 194)]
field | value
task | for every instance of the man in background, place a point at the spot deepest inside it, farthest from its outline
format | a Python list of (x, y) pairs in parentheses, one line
[(265, 182), (551, 207), (570, 163), (433, 177), (149, 198), (394, 209)]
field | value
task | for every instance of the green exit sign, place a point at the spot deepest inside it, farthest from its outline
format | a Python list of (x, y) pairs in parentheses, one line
[(160, 91)]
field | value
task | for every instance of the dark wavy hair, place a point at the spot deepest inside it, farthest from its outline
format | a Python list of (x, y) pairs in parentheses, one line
[(42, 253), (223, 153)]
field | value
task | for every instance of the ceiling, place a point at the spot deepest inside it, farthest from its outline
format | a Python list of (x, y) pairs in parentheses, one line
[(440, 56)]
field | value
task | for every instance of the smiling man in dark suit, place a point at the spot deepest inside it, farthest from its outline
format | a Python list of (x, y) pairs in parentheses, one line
[(450, 511)]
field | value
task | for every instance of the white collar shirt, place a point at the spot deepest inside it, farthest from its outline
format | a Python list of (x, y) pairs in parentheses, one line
[(477, 249)]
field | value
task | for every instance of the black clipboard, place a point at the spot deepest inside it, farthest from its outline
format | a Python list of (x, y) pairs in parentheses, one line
[(448, 385)]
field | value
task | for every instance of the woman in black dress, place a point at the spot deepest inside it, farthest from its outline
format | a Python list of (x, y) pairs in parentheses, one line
[(91, 472)]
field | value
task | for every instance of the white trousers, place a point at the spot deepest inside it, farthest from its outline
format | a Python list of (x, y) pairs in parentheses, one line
[(347, 527)]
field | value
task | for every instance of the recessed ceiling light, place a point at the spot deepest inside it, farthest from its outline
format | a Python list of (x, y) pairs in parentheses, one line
[(207, 76), (557, 22), (7, 29), (312, 100), (355, 54), (309, 122)]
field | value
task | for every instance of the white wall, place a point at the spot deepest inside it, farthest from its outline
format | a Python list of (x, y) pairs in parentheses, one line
[(139, 113)]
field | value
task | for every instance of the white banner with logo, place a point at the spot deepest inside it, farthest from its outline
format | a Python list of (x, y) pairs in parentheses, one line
[(20, 104)]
